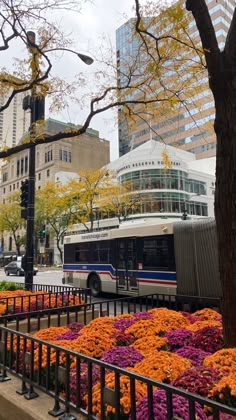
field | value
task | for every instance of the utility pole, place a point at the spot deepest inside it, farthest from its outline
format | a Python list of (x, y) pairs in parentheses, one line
[(36, 104)]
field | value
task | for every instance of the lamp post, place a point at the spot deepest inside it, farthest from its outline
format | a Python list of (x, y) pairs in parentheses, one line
[(36, 104)]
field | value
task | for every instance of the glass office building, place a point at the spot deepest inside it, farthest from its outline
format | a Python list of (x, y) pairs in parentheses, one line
[(189, 129)]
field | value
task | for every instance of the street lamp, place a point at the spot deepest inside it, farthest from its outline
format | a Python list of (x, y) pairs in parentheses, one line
[(85, 58), (36, 104)]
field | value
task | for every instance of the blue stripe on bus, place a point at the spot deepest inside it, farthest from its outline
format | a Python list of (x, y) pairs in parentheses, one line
[(109, 269)]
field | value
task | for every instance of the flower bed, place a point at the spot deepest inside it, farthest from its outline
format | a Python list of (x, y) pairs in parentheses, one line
[(18, 301), (164, 345)]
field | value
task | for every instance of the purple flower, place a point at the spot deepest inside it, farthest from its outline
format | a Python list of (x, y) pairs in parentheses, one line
[(190, 317), (123, 339), (143, 315), (195, 355), (75, 326), (179, 338), (209, 339), (180, 408), (70, 335), (198, 380), (123, 323), (122, 356)]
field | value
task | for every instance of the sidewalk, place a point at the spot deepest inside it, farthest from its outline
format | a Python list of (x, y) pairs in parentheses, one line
[(15, 406)]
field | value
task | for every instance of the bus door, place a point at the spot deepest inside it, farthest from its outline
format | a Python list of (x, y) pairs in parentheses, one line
[(126, 264)]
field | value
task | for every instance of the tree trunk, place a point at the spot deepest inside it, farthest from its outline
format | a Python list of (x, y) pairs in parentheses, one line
[(225, 201), (59, 248)]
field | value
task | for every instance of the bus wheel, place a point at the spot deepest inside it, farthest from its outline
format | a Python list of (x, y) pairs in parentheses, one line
[(94, 285)]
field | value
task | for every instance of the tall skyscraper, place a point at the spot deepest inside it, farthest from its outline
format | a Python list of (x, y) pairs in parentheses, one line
[(188, 127), (14, 121)]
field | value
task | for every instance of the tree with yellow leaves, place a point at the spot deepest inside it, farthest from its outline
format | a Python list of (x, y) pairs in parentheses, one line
[(88, 190), (118, 200), (11, 222), (54, 208)]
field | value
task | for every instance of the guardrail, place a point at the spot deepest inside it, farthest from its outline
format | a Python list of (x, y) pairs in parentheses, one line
[(50, 368), (35, 319)]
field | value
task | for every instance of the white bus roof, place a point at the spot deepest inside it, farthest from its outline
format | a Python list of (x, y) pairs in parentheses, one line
[(126, 229)]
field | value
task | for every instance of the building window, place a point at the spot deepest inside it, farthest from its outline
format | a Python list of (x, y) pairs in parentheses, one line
[(39, 177), (48, 154), (4, 190), (10, 188), (22, 166), (18, 168), (4, 177), (48, 172), (65, 155), (26, 164)]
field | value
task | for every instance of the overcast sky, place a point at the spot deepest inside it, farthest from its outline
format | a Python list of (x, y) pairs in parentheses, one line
[(96, 20)]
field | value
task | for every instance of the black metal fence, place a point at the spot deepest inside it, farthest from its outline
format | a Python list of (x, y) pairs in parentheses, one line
[(42, 318), (43, 298), (52, 288), (52, 369)]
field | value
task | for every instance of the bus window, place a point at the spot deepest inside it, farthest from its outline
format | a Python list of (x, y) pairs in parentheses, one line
[(101, 252), (82, 253), (121, 255), (155, 253)]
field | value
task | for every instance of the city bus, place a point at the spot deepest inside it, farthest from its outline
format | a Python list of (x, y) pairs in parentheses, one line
[(161, 256)]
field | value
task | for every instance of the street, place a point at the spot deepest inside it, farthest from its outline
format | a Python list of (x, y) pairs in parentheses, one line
[(44, 276)]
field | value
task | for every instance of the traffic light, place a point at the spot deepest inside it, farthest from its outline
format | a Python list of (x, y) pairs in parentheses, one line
[(24, 194), (42, 233)]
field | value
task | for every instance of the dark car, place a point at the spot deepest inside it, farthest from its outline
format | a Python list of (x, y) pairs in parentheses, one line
[(14, 268)]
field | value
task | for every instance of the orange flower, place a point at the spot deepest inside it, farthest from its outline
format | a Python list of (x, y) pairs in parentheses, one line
[(122, 316), (198, 325), (207, 314), (147, 345), (94, 343), (162, 366), (99, 324), (223, 360), (142, 328), (51, 333), (225, 387)]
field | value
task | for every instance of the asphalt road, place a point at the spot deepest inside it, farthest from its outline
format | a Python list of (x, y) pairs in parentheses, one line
[(52, 277)]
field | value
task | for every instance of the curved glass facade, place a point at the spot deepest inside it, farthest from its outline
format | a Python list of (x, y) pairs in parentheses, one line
[(148, 181)]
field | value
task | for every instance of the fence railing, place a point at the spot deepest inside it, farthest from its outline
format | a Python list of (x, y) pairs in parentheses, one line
[(42, 318), (52, 288), (42, 300), (80, 382)]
